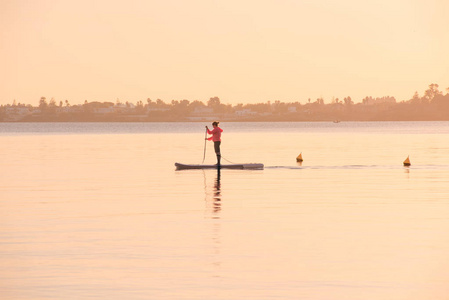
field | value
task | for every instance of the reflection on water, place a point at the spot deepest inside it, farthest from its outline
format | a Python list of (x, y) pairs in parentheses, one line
[(217, 195), (213, 196), (407, 170), (213, 210), (105, 216)]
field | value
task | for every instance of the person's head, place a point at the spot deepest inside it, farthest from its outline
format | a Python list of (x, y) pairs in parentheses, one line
[(215, 124)]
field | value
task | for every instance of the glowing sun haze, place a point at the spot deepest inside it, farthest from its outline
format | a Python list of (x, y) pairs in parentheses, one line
[(243, 51)]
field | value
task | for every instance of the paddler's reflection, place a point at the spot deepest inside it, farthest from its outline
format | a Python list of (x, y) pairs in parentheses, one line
[(213, 201), (217, 193), (213, 196)]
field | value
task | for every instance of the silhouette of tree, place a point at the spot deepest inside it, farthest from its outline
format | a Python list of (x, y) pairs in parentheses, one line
[(196, 104), (160, 103), (52, 102), (441, 101), (433, 105), (43, 104), (180, 108), (431, 92), (216, 105), (213, 102), (416, 99), (139, 107)]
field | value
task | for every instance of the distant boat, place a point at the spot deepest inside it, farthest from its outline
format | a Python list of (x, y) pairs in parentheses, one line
[(407, 162), (336, 121), (180, 166), (299, 158)]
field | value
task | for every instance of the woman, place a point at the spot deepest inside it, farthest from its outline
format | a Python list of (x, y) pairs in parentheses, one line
[(216, 138)]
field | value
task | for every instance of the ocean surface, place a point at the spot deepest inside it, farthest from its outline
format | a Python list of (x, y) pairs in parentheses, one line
[(98, 211)]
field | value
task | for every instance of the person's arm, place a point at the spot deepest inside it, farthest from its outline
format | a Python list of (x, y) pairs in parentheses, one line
[(209, 131)]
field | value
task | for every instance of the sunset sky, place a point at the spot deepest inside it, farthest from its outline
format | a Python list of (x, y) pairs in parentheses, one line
[(243, 51)]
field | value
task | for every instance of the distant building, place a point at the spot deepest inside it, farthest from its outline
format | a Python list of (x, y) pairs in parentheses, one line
[(202, 111), (245, 113), (154, 109), (104, 110), (123, 108), (16, 113), (376, 101)]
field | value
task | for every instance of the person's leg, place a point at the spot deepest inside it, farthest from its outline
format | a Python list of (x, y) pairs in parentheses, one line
[(217, 151)]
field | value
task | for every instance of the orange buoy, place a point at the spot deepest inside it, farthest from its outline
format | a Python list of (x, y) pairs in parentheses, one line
[(407, 162), (299, 158)]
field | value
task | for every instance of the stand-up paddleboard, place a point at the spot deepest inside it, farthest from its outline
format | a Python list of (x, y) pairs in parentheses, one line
[(232, 166)]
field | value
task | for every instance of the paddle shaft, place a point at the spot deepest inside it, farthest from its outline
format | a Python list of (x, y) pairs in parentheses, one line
[(205, 141)]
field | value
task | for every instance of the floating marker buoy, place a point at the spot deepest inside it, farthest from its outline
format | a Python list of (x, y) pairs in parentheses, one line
[(299, 158), (407, 162)]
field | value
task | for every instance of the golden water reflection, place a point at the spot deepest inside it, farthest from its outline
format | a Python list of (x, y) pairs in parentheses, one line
[(213, 210), (213, 196)]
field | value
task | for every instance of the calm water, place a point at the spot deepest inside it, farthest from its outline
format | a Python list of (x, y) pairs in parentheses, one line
[(97, 211)]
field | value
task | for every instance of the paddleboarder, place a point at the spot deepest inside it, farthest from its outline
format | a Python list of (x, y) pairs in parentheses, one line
[(216, 138)]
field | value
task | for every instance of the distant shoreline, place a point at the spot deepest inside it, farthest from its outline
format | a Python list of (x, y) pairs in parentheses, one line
[(433, 106), (228, 121)]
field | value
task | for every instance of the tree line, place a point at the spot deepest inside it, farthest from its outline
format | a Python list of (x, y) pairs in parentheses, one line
[(432, 105)]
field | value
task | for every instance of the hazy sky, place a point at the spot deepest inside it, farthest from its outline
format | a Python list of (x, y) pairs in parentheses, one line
[(243, 51)]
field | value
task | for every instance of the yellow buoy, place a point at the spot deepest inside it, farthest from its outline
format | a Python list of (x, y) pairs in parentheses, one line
[(407, 162), (299, 158)]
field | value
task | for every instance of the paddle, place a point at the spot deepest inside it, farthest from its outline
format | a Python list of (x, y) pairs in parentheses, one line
[(205, 141)]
